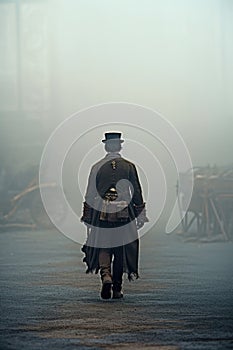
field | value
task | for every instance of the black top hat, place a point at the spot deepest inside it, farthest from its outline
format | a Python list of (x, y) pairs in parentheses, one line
[(110, 136)]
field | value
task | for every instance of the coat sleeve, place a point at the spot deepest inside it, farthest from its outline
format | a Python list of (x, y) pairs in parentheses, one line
[(90, 196), (136, 187), (91, 191), (137, 200)]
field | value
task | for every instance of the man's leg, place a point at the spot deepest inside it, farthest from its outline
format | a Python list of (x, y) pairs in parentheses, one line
[(105, 259), (117, 272)]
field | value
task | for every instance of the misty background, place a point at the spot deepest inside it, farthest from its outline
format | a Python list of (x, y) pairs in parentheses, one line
[(60, 56)]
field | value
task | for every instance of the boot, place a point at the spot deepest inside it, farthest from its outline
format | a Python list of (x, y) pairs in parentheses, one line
[(117, 293), (105, 273), (106, 284)]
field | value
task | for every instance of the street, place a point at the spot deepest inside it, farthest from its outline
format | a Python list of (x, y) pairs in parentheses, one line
[(182, 300)]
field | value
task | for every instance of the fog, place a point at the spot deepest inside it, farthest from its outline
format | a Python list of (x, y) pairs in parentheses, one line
[(61, 56)]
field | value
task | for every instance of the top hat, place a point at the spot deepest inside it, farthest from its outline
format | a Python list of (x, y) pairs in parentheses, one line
[(112, 136)]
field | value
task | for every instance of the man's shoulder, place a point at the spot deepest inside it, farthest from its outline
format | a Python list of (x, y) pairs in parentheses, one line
[(105, 159), (127, 164), (127, 161), (98, 164)]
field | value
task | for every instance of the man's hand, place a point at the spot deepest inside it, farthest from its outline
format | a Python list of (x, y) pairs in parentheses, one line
[(140, 214), (87, 214)]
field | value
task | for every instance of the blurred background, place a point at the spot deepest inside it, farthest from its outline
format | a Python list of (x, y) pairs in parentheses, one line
[(60, 56)]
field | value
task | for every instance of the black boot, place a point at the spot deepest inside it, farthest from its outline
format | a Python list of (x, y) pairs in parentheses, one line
[(117, 293), (106, 286), (106, 278), (105, 273)]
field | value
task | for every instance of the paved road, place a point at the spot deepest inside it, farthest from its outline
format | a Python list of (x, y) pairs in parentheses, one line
[(183, 299)]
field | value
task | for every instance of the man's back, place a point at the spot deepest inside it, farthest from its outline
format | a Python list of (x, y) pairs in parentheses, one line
[(115, 171)]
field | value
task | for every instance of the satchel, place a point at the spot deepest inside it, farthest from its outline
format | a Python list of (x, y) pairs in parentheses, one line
[(114, 211)]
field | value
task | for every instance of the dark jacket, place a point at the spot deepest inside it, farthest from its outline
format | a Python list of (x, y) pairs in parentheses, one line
[(117, 172), (105, 174)]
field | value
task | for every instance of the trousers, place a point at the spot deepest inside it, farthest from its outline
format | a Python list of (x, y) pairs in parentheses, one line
[(111, 262)]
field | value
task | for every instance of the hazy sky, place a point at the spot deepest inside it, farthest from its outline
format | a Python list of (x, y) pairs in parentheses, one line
[(175, 56), (171, 55)]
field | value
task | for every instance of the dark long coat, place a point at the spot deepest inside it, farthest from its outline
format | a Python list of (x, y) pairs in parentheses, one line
[(113, 171)]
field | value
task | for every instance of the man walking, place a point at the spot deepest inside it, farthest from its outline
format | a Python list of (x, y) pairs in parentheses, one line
[(113, 212)]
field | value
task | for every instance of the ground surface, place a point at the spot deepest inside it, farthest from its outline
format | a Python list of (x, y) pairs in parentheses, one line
[(183, 299)]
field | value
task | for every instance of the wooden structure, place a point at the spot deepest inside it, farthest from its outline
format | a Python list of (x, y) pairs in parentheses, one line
[(210, 211), (32, 213)]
